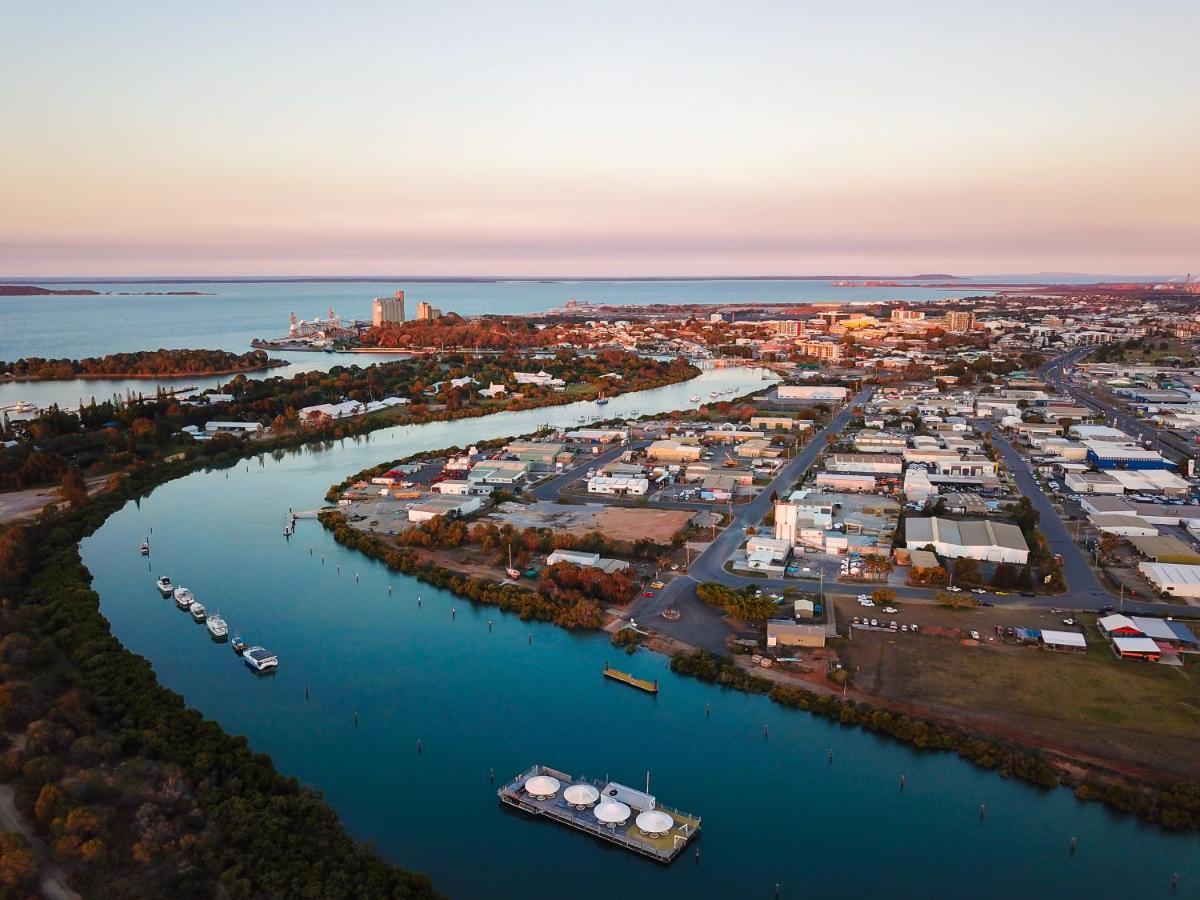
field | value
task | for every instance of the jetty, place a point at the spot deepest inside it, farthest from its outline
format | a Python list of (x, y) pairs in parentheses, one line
[(650, 687), (606, 810)]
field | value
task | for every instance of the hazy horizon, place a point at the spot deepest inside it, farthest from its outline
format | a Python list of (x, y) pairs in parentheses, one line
[(234, 140)]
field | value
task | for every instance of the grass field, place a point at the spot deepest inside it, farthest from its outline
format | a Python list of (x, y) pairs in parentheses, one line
[(1139, 714)]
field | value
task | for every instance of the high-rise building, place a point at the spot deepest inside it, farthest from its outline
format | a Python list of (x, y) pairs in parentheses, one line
[(789, 328), (424, 312), (827, 350), (388, 310), (960, 321)]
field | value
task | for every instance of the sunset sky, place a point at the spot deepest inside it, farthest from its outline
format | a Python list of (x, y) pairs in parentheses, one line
[(618, 138)]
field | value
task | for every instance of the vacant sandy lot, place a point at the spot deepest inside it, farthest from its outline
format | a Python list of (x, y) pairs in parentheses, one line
[(616, 522), (631, 524)]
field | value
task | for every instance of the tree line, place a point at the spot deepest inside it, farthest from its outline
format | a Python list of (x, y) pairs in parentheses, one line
[(136, 794), (161, 363), (122, 435)]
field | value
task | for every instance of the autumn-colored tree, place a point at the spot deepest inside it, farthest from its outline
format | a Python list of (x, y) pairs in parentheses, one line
[(18, 862), (74, 491)]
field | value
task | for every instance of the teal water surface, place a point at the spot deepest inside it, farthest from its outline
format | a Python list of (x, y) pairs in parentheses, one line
[(483, 690)]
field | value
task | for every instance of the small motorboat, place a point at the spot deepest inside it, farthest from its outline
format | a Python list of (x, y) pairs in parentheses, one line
[(260, 659), (145, 548), (184, 598), (239, 645), (217, 627), (165, 587), (199, 613), (695, 398)]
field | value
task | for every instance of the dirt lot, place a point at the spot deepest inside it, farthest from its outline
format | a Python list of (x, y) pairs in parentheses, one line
[(659, 525), (617, 522), (1142, 716)]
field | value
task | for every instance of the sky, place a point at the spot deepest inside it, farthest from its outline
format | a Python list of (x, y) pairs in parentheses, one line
[(598, 139)]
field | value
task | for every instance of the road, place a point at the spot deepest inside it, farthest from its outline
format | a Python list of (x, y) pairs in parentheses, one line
[(1168, 444), (548, 490), (701, 625)]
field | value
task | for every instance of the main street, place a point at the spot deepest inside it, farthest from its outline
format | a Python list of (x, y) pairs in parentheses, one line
[(699, 623)]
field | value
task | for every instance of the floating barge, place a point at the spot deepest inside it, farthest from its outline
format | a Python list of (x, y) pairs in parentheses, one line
[(606, 810), (650, 687)]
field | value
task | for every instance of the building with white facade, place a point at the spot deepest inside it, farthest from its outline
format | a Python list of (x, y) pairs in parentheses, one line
[(980, 539)]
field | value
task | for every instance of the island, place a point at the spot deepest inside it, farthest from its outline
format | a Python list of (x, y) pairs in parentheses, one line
[(142, 364)]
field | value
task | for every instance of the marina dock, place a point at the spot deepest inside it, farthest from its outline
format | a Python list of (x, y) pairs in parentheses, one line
[(650, 687), (611, 812)]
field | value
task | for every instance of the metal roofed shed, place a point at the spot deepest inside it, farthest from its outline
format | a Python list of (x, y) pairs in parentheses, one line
[(1172, 579), (1064, 641), (1136, 648), (1166, 549)]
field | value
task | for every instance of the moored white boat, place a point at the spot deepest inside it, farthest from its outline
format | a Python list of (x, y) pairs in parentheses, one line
[(199, 613), (183, 597), (217, 627), (164, 586)]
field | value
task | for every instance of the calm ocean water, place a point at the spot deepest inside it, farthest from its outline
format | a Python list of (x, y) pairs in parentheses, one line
[(478, 698), (229, 315)]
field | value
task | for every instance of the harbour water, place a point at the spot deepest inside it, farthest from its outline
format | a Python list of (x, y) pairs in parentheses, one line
[(227, 316), (482, 690)]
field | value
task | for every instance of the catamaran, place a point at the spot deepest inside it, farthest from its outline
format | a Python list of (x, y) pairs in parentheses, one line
[(260, 659)]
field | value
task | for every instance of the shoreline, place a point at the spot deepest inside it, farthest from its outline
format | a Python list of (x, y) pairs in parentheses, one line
[(1119, 785)]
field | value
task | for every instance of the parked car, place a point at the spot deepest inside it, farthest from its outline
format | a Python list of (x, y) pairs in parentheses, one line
[(954, 590), (648, 594), (1068, 621), (978, 591), (890, 610), (657, 585)]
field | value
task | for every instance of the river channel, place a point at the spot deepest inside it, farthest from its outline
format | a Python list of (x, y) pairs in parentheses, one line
[(483, 690)]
